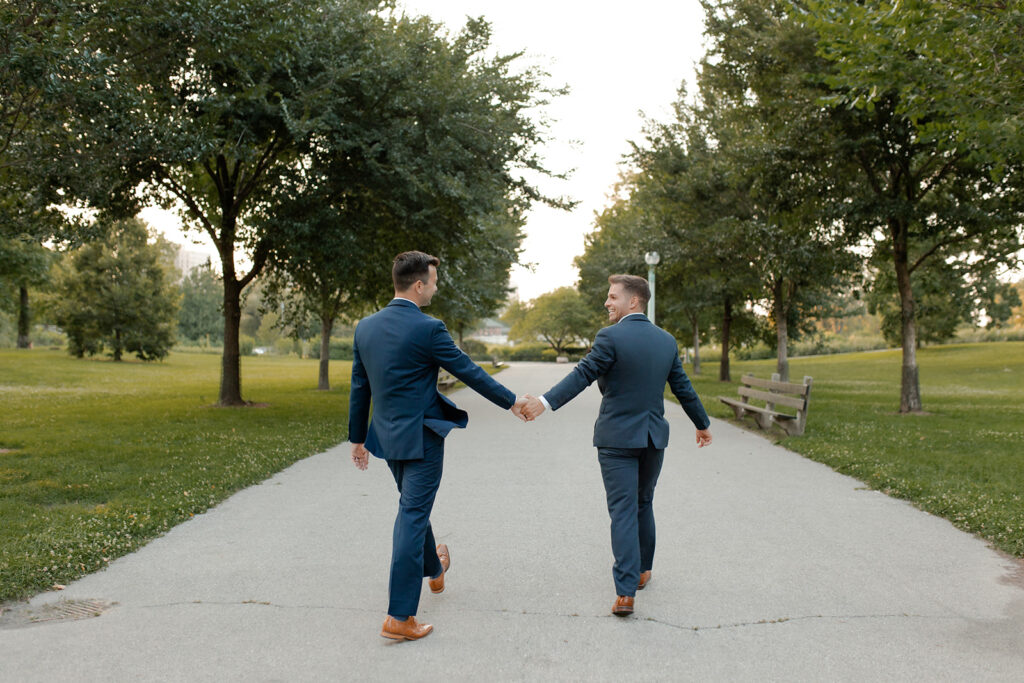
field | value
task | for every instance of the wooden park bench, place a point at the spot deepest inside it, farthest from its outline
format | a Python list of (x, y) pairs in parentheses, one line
[(773, 393), (445, 380)]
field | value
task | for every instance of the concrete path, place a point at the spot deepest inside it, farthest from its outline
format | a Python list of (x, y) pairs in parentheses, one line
[(769, 567)]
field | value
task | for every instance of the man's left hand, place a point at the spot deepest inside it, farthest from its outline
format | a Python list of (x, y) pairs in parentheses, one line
[(703, 437), (360, 456)]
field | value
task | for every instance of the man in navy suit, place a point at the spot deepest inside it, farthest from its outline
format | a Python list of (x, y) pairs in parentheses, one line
[(397, 353), (631, 361)]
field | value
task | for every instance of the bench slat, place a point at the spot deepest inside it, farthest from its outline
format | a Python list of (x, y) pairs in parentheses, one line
[(755, 409), (767, 396), (784, 387)]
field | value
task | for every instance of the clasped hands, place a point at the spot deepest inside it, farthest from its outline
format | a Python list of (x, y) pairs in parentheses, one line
[(528, 408)]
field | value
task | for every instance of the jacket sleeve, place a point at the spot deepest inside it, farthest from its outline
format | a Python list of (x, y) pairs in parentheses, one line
[(681, 388), (358, 399), (454, 360), (596, 363)]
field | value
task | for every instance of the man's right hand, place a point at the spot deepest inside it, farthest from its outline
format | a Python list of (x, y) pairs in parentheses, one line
[(360, 456), (703, 437), (533, 408)]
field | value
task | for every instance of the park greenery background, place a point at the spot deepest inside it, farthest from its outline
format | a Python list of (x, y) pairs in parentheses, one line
[(841, 177)]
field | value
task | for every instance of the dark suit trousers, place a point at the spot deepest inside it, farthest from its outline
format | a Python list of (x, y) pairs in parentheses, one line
[(413, 548), (630, 475)]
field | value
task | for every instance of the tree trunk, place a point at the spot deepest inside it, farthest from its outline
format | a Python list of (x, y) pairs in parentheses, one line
[(230, 375), (696, 347), (723, 367), (459, 330), (781, 331), (24, 317), (324, 382), (910, 388), (117, 345)]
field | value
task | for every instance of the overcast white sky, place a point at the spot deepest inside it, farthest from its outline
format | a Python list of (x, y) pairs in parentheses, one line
[(617, 59)]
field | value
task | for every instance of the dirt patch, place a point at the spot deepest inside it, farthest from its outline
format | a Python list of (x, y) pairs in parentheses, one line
[(1015, 571)]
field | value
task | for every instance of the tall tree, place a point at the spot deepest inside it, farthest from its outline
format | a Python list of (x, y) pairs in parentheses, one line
[(763, 111), (429, 152), (209, 107), (935, 187)]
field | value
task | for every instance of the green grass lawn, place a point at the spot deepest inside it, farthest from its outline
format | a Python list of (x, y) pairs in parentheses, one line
[(105, 456), (964, 460)]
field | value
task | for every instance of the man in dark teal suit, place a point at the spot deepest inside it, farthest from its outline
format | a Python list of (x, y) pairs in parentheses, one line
[(397, 353), (631, 360)]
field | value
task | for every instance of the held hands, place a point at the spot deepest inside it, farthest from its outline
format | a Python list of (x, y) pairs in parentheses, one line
[(527, 408), (703, 437), (517, 408), (360, 456), (533, 408)]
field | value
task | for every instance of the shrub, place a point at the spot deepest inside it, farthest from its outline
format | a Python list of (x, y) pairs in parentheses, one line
[(533, 351), (246, 344), (339, 349), (283, 346), (476, 349)]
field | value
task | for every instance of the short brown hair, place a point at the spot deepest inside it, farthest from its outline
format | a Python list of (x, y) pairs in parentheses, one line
[(633, 286), (410, 267)]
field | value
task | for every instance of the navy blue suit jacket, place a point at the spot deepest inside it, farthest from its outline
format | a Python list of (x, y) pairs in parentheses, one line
[(397, 353), (631, 361)]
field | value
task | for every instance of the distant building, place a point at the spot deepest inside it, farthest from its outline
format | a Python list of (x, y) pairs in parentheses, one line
[(187, 260), (491, 331)]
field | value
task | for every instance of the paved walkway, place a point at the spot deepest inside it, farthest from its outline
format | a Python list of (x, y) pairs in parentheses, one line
[(769, 567)]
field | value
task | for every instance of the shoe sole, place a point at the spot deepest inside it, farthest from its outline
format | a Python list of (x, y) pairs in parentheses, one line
[(398, 636), (622, 612)]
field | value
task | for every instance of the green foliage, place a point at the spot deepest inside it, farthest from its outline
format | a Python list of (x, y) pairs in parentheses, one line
[(924, 115), (534, 352), (955, 67), (475, 349), (340, 349), (561, 318), (116, 294), (246, 344), (107, 456), (200, 315)]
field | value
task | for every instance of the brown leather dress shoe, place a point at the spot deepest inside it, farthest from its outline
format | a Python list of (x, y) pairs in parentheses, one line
[(437, 585), (404, 630), (645, 578), (623, 606)]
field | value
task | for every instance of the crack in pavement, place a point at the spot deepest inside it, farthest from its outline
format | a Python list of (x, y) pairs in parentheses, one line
[(741, 624), (576, 615)]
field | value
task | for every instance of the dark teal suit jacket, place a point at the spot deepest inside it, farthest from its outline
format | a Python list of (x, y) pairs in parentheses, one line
[(631, 361), (397, 353)]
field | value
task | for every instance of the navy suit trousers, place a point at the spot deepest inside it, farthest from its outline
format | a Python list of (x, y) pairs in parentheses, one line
[(630, 475), (413, 548)]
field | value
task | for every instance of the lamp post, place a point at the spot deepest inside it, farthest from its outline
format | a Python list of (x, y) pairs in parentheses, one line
[(652, 258)]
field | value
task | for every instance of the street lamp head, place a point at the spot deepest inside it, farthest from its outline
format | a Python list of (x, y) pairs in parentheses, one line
[(652, 258)]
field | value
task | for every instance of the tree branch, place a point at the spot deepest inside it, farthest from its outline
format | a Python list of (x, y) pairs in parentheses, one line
[(193, 206), (268, 157), (259, 259)]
